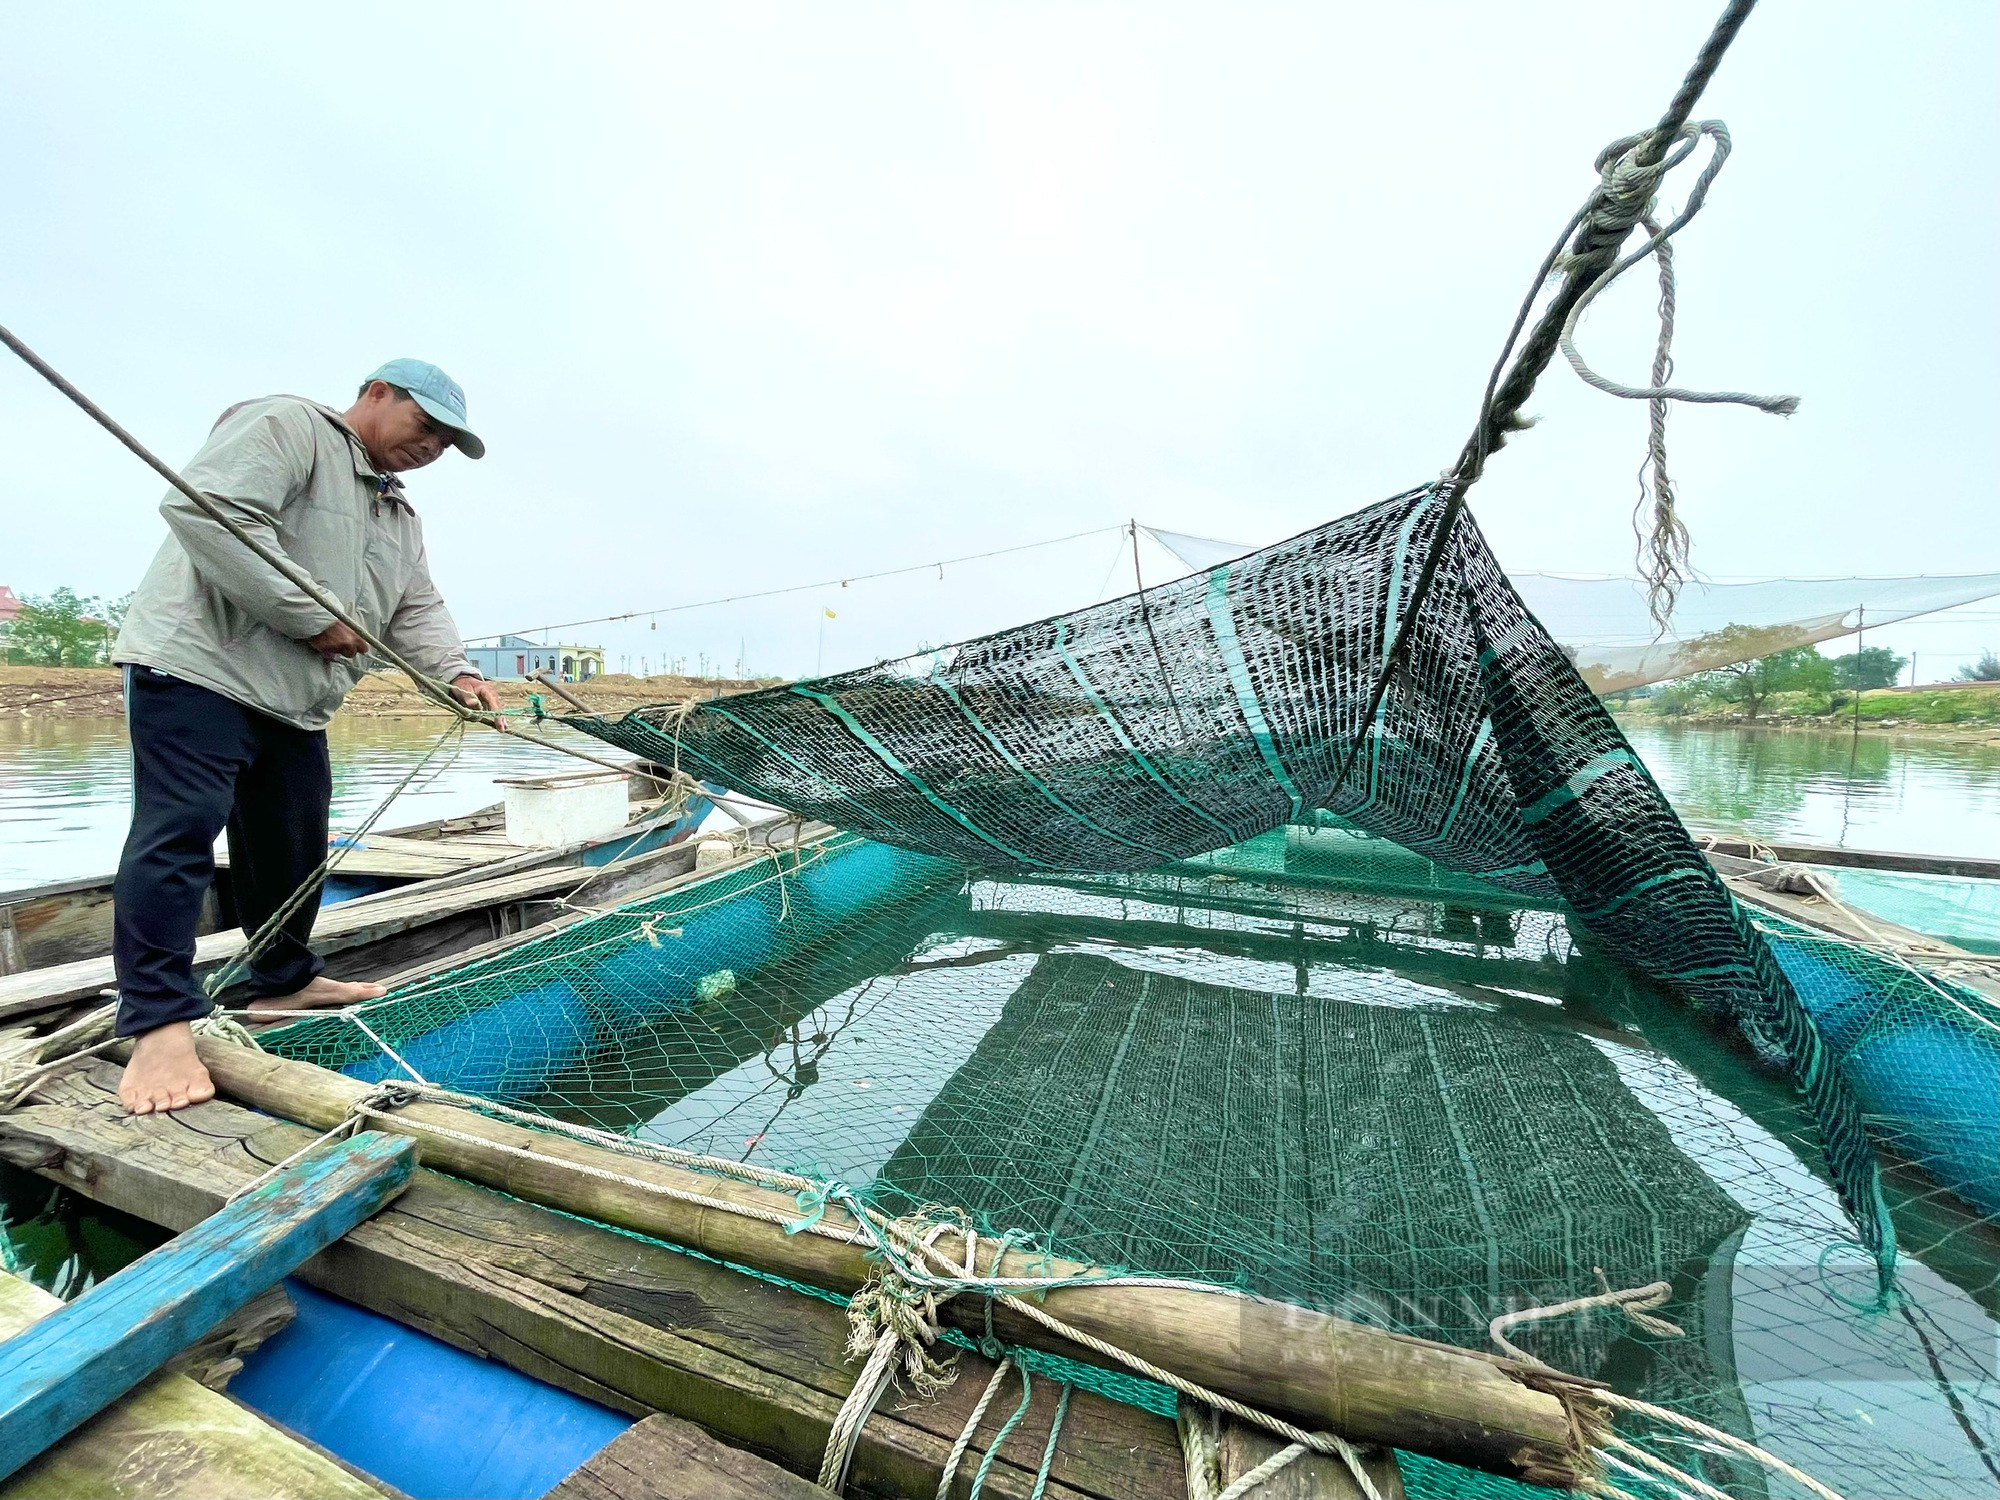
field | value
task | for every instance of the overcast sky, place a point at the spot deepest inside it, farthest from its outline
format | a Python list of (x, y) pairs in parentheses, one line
[(754, 295)]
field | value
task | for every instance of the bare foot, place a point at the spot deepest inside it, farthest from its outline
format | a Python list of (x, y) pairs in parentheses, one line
[(322, 993), (164, 1073)]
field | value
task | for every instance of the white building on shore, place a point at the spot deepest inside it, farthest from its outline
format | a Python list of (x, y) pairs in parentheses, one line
[(513, 657)]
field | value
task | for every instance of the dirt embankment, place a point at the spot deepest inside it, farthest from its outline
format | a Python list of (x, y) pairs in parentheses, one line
[(94, 693)]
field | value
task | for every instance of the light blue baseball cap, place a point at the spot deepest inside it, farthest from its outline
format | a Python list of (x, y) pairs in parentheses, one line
[(438, 394)]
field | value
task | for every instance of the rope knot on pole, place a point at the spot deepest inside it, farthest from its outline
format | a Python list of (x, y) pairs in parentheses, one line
[(1630, 172)]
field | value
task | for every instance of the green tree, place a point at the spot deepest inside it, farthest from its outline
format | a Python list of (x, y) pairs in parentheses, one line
[(1749, 684), (1679, 699), (62, 629), (1986, 669), (1875, 667)]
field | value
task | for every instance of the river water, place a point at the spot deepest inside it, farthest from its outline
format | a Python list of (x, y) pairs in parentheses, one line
[(1367, 1102), (65, 786)]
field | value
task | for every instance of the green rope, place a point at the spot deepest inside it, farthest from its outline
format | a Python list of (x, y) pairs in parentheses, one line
[(1006, 1429), (1049, 1448)]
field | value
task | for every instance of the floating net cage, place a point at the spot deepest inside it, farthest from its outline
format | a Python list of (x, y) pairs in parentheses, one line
[(1439, 1044), (1314, 1066)]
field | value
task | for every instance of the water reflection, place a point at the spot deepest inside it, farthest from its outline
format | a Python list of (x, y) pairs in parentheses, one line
[(66, 785), (1871, 792)]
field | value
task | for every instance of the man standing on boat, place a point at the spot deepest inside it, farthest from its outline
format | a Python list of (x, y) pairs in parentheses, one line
[(232, 674)]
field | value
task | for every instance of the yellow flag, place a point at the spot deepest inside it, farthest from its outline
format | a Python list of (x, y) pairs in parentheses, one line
[(831, 615)]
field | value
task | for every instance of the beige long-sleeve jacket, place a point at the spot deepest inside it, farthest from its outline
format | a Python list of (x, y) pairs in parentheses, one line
[(209, 611)]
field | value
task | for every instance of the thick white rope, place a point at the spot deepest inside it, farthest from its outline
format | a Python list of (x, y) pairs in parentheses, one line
[(1633, 1303), (1662, 1471), (20, 1085), (854, 1412), (972, 1422), (1267, 1469), (1198, 1454), (1203, 1462)]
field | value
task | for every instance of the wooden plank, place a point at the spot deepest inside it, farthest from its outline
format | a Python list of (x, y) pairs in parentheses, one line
[(664, 1458), (63, 923), (217, 1356), (1313, 1369), (69, 921), (72, 1364), (347, 925), (644, 878), (1241, 1447), (387, 914), (1966, 867), (170, 1439), (622, 1321)]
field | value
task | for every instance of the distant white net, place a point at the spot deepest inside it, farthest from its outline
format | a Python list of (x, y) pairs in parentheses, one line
[(1607, 628)]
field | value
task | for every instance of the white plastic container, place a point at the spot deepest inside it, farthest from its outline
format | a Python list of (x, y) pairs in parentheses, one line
[(549, 811), (712, 852)]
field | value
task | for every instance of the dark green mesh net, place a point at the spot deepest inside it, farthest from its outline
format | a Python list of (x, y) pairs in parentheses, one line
[(1418, 1080), (1197, 715), (1313, 1065)]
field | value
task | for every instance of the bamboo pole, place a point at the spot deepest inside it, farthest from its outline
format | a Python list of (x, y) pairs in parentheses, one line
[(1318, 1371)]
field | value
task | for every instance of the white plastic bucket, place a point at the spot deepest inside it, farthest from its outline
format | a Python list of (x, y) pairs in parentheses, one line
[(550, 811)]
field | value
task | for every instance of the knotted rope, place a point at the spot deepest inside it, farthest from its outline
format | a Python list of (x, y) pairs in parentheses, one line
[(391, 1095), (895, 1326), (1626, 182), (1637, 1304), (1600, 227)]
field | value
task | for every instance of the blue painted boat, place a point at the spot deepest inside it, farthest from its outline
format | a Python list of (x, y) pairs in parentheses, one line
[(433, 1421), (68, 921)]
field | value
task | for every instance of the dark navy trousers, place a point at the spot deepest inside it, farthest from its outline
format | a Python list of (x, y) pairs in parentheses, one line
[(202, 763)]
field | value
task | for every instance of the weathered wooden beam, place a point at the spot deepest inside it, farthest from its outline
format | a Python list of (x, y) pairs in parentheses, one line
[(664, 1458), (1964, 866), (170, 1439), (419, 925), (72, 1364), (1315, 1370), (1240, 1448), (622, 1321), (217, 1356)]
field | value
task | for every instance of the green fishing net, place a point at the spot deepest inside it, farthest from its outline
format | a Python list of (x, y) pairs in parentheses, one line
[(1420, 1050), (1185, 718), (1312, 1065)]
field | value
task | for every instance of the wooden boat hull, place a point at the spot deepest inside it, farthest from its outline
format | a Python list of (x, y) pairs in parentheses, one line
[(70, 920)]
